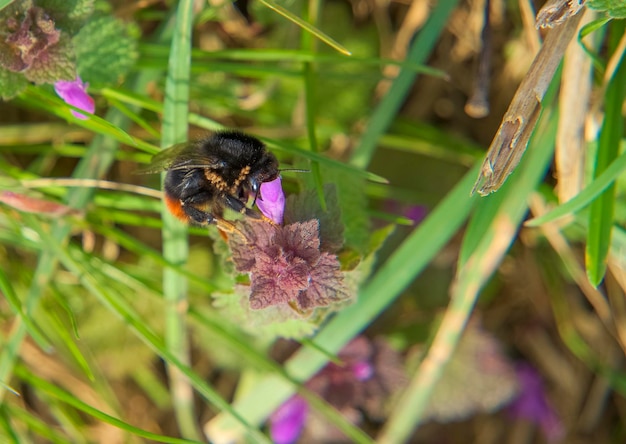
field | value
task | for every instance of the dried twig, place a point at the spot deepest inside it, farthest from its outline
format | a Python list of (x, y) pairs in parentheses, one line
[(520, 119)]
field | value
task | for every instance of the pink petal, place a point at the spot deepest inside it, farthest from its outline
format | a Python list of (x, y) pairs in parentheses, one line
[(288, 420), (362, 370), (75, 93), (532, 403), (272, 200)]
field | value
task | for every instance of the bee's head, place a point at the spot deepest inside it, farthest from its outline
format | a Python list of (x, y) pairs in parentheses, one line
[(264, 170)]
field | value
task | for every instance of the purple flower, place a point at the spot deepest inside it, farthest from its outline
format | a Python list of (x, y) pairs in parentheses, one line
[(75, 94), (532, 404), (362, 370), (416, 213), (272, 200), (287, 421), (368, 374)]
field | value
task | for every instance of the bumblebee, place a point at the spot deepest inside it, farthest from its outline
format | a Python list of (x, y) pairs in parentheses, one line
[(207, 176)]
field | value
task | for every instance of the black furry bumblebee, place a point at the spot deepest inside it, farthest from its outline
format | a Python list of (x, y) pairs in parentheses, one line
[(207, 176)]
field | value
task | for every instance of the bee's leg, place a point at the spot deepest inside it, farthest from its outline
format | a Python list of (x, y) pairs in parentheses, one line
[(189, 206), (197, 216), (239, 206), (203, 218), (236, 205)]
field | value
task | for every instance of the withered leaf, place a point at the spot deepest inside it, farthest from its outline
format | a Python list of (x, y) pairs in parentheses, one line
[(326, 284), (300, 240)]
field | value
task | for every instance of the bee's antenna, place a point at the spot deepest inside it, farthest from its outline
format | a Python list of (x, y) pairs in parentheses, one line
[(295, 170)]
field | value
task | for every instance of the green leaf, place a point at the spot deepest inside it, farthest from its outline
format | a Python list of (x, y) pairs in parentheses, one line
[(68, 398), (614, 8), (601, 215), (106, 50), (69, 15), (11, 84), (591, 192), (353, 203), (267, 324), (307, 26), (58, 63), (306, 206), (5, 3)]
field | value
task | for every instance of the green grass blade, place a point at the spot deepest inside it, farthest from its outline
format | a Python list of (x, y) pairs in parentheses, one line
[(93, 165), (388, 107), (40, 99), (16, 305), (309, 80), (272, 55), (588, 194), (175, 244), (33, 423), (132, 244), (601, 214), (62, 395), (135, 117), (78, 263), (5, 3), (306, 26), (10, 434)]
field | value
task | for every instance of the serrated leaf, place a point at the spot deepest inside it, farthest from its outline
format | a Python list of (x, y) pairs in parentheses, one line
[(106, 50), (27, 37), (269, 323), (11, 84), (57, 64), (306, 206), (326, 284), (614, 8), (69, 15)]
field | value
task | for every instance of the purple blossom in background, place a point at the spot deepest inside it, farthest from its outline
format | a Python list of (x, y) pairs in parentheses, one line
[(367, 375), (416, 213), (75, 93), (272, 200), (287, 422), (532, 404), (362, 370)]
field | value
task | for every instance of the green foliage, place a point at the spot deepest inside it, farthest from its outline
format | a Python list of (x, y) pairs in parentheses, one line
[(174, 332), (602, 211), (106, 50), (306, 206), (46, 41), (69, 15), (11, 83), (614, 8), (58, 64)]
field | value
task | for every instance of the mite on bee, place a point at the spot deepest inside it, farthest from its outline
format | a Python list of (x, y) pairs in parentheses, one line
[(207, 176)]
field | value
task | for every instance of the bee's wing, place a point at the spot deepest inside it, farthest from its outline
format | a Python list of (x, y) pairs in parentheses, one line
[(181, 155)]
